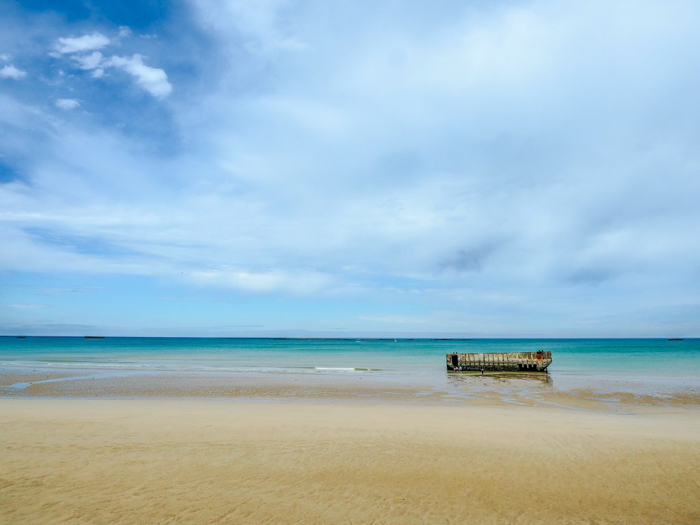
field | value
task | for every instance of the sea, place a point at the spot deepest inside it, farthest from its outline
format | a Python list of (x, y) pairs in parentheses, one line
[(637, 366)]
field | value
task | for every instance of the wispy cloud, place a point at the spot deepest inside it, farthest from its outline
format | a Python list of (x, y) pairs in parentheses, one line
[(91, 61), (67, 103), (507, 169), (260, 25), (152, 79), (66, 45), (10, 71), (296, 282), (24, 306)]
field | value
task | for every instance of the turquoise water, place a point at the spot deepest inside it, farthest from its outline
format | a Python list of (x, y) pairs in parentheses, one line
[(638, 359)]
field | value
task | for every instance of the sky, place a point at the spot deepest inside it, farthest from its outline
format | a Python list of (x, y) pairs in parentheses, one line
[(276, 168)]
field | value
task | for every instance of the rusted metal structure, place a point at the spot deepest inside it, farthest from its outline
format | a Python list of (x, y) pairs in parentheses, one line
[(500, 362)]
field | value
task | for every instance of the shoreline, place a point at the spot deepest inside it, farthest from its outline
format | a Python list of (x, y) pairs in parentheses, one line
[(216, 461), (539, 390)]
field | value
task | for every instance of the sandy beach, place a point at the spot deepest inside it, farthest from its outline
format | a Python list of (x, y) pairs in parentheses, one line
[(236, 461)]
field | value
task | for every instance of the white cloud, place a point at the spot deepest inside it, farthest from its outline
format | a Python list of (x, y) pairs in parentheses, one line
[(90, 61), (287, 281), (4, 57), (83, 43), (12, 72), (124, 31), (258, 22), (521, 165), (153, 80), (25, 306), (67, 103)]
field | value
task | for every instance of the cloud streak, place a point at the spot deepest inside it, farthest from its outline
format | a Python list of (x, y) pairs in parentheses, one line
[(153, 80), (67, 45)]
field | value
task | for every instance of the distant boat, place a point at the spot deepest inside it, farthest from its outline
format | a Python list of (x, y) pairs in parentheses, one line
[(675, 339), (94, 337), (21, 337)]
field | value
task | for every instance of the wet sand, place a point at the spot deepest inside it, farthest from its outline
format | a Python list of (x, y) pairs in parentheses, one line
[(539, 390), (237, 461)]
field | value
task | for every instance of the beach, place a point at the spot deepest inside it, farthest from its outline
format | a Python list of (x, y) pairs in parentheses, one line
[(294, 431), (224, 461), (279, 262)]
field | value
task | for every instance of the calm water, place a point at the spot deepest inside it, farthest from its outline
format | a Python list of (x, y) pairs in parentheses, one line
[(649, 360)]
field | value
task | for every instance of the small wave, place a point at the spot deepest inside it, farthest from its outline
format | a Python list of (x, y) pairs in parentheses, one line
[(180, 367), (332, 368), (23, 386)]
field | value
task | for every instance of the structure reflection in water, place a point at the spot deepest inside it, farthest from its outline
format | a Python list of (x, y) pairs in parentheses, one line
[(502, 384)]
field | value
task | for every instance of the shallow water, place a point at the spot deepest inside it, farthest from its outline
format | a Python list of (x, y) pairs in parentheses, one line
[(638, 366)]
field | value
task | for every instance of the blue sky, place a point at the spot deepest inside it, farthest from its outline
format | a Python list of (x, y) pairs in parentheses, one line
[(229, 167)]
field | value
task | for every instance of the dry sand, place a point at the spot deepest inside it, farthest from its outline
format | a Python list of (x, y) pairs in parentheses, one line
[(233, 461)]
